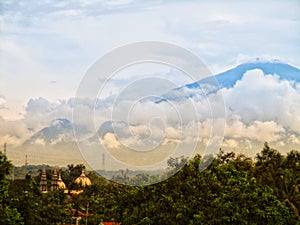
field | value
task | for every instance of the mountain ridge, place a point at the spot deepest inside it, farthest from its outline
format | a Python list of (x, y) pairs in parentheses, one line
[(228, 78), (62, 129)]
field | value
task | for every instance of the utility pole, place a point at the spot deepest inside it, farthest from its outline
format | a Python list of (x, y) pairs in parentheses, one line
[(103, 161), (4, 149), (26, 161)]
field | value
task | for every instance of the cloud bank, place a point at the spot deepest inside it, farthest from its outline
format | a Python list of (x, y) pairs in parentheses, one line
[(259, 107)]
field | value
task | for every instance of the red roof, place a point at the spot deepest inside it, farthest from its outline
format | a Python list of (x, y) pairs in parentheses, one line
[(81, 214), (110, 223)]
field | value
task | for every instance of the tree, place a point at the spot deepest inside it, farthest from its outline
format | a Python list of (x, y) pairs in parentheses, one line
[(221, 194), (9, 215), (71, 174), (281, 174), (231, 190), (5, 166), (176, 163)]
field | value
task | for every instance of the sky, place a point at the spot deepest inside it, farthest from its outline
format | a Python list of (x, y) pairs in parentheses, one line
[(46, 48)]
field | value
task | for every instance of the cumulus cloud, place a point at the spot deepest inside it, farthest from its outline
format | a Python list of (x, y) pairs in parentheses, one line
[(264, 98), (40, 112), (2, 101), (230, 143), (39, 106), (257, 130), (11, 140), (110, 141), (140, 131), (39, 141), (172, 133), (13, 132), (259, 108), (294, 139)]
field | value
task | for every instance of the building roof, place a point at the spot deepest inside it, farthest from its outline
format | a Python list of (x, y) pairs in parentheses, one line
[(83, 180), (110, 223), (79, 213), (61, 184)]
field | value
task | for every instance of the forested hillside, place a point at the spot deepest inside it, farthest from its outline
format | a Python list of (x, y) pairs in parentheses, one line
[(234, 189)]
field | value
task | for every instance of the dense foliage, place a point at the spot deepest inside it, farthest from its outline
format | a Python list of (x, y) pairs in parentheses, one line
[(232, 190), (9, 214)]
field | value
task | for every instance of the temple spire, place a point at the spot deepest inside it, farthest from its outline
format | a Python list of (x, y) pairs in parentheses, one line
[(54, 184), (43, 182)]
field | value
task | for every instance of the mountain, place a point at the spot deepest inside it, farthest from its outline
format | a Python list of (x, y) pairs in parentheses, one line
[(58, 131), (116, 127), (229, 78), (210, 85), (61, 130), (110, 127), (53, 145)]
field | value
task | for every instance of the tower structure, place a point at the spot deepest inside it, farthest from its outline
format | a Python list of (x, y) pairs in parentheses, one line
[(83, 180), (58, 184), (61, 185), (103, 161), (26, 161), (4, 149), (54, 180), (43, 182)]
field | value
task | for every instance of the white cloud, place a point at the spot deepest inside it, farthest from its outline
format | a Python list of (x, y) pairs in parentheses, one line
[(13, 132), (58, 41), (260, 108), (46, 41), (260, 117), (11, 140), (172, 133), (257, 130), (294, 139), (140, 131), (264, 98), (230, 143), (2, 101), (39, 141), (110, 141)]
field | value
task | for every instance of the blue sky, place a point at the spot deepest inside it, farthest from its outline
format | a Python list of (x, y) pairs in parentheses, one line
[(47, 46)]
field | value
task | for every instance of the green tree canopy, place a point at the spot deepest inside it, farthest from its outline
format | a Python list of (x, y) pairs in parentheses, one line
[(8, 215)]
